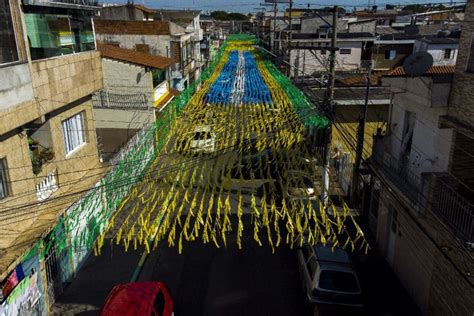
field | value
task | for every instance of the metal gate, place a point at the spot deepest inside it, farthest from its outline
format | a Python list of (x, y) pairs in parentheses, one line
[(55, 261)]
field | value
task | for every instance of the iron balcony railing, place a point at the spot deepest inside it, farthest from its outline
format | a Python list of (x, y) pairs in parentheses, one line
[(399, 173), (439, 196), (455, 210), (106, 99)]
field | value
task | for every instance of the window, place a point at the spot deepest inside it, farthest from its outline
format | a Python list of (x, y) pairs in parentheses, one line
[(8, 49), (447, 53), (3, 179), (470, 61), (345, 51), (74, 132), (52, 35), (390, 54)]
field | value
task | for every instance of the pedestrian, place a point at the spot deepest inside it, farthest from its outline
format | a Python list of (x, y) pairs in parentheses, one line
[(336, 158)]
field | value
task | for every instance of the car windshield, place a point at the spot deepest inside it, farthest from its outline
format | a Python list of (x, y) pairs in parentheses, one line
[(338, 281), (201, 135)]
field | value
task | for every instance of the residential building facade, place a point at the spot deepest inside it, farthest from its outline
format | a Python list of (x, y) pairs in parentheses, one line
[(49, 69), (135, 86), (444, 50), (419, 211)]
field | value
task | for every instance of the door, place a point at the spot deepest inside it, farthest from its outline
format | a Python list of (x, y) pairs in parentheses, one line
[(392, 232)]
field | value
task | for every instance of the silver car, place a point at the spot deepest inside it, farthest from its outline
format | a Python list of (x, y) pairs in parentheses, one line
[(328, 276)]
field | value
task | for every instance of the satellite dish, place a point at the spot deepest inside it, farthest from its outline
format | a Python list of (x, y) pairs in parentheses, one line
[(417, 64)]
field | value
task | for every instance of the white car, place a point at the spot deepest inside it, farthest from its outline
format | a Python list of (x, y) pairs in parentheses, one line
[(201, 139), (328, 276)]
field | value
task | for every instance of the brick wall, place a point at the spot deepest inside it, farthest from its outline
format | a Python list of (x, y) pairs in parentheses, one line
[(461, 105)]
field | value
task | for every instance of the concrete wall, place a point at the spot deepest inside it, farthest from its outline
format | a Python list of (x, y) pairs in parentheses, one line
[(431, 145), (122, 13), (122, 119), (115, 127), (311, 25), (15, 85), (437, 51), (369, 27), (159, 44), (320, 62), (125, 78)]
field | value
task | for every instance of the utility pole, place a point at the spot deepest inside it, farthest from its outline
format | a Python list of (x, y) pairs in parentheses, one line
[(274, 27), (330, 104), (360, 136), (290, 35)]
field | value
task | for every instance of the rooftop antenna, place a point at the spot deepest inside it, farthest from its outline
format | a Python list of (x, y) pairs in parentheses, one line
[(417, 64)]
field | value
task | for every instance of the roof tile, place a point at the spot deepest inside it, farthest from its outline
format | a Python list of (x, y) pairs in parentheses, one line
[(134, 57), (434, 70)]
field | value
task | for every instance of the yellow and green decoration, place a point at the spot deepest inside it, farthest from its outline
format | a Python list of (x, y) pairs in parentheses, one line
[(162, 191)]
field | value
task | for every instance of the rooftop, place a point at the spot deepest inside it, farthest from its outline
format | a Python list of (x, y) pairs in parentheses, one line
[(132, 27), (134, 57), (434, 70)]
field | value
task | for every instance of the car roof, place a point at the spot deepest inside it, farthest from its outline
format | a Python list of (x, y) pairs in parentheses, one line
[(329, 256)]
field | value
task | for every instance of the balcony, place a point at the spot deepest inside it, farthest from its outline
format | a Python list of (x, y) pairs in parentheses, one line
[(438, 193), (106, 99), (161, 91), (453, 208), (398, 172), (83, 4)]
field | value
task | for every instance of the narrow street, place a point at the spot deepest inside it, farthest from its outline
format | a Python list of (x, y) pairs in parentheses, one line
[(218, 195), (205, 280)]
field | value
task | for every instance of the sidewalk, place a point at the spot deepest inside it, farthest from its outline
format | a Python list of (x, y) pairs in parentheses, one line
[(88, 291)]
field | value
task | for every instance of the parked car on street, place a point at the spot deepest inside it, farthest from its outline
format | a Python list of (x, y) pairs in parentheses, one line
[(328, 276), (201, 139), (139, 298)]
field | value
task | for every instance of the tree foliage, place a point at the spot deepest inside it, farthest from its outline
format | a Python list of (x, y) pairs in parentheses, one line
[(229, 16)]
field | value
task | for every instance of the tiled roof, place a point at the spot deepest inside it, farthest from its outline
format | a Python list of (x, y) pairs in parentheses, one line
[(360, 80), (134, 57), (132, 27), (434, 70)]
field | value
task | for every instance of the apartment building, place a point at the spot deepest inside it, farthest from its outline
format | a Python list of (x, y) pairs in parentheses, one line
[(49, 69), (421, 208), (310, 51), (135, 87), (172, 33)]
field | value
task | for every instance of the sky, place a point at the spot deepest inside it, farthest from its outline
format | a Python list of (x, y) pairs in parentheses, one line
[(245, 6)]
